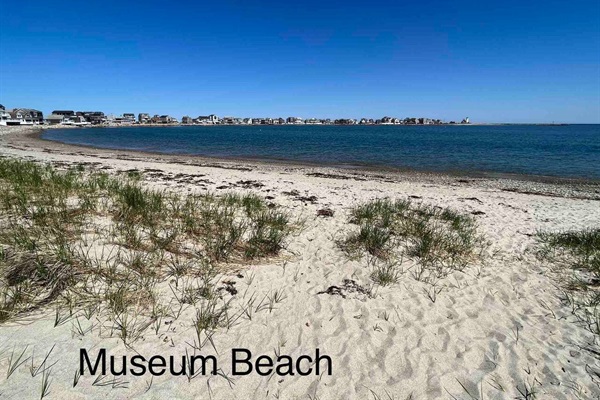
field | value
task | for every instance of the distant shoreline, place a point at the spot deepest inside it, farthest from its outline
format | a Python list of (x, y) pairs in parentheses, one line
[(296, 125)]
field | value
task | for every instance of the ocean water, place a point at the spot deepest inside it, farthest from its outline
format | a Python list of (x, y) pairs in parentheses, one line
[(558, 151)]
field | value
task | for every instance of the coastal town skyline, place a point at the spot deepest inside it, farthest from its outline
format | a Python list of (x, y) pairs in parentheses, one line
[(30, 116)]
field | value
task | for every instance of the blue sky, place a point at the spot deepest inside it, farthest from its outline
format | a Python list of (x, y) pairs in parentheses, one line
[(496, 61)]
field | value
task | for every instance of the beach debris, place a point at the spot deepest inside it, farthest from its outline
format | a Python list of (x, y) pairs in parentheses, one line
[(330, 176), (335, 176), (325, 212), (305, 199), (229, 287), (348, 286), (213, 165), (250, 184), (477, 213), (471, 198), (308, 199)]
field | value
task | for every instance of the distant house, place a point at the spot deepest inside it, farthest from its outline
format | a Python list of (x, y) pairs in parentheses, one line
[(27, 116), (465, 121), (163, 119), (186, 120), (207, 119), (129, 118), (2, 108), (55, 119), (143, 118), (93, 117), (75, 120), (294, 120)]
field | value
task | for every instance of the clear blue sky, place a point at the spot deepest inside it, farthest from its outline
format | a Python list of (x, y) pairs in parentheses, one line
[(494, 61)]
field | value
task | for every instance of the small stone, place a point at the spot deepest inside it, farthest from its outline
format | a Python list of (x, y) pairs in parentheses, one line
[(574, 353)]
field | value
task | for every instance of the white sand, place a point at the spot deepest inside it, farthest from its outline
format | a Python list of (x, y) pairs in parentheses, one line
[(493, 328)]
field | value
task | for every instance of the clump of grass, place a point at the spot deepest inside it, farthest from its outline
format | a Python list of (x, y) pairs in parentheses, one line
[(439, 239), (267, 232), (385, 272), (371, 238), (580, 249), (209, 316), (577, 252), (381, 212), (28, 282)]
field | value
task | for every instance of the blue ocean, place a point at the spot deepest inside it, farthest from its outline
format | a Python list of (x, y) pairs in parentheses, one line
[(570, 151)]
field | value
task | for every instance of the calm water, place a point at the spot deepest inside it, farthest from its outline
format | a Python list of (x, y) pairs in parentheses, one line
[(564, 151)]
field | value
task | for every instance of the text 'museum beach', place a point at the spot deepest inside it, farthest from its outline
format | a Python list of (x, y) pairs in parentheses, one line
[(354, 283)]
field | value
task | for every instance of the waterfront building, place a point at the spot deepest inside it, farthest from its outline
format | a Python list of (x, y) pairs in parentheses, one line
[(143, 118), (55, 119), (26, 116)]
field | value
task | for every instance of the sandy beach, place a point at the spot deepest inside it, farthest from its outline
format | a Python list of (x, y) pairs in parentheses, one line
[(497, 329)]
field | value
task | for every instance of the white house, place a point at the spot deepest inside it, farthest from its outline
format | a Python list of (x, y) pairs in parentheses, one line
[(4, 117)]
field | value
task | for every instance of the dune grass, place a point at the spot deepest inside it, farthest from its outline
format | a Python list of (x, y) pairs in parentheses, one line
[(440, 240), (578, 254), (74, 238), (579, 249)]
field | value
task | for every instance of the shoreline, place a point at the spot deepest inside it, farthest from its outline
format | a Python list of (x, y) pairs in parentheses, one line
[(31, 137)]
